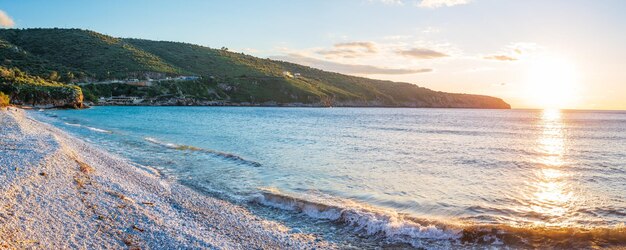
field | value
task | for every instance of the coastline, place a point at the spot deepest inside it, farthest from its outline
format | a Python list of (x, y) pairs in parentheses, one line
[(116, 197), (58, 191), (289, 105)]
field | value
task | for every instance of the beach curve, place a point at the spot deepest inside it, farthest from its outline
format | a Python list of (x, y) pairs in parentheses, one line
[(58, 191)]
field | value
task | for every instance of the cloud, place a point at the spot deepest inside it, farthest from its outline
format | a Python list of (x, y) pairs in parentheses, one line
[(441, 3), (421, 53), (5, 20), (347, 68), (514, 52), (350, 50), (369, 46), (501, 58), (345, 53)]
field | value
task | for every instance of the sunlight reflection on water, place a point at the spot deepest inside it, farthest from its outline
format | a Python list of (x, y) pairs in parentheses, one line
[(551, 192)]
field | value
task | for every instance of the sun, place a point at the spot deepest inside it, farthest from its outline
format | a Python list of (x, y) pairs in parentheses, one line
[(552, 83)]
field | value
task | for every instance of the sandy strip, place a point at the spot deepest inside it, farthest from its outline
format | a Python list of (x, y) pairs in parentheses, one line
[(59, 192)]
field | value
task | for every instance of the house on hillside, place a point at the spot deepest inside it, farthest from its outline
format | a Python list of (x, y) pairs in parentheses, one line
[(186, 78), (120, 100)]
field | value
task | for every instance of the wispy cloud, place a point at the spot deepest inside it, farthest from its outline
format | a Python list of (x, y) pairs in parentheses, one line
[(369, 46), (5, 20), (347, 68), (421, 53), (514, 52), (345, 53), (374, 57), (501, 58), (350, 50), (441, 3)]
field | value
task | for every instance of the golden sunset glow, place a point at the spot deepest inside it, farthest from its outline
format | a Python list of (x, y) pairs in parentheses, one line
[(387, 124), (552, 82), (551, 192)]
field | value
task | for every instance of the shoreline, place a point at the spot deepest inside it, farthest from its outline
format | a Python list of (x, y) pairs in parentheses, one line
[(322, 107), (58, 191), (110, 188), (265, 106)]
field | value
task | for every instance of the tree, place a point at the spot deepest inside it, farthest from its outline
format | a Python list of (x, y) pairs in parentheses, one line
[(68, 77), (54, 76)]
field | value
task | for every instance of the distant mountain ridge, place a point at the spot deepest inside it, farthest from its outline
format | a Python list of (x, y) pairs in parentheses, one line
[(74, 55)]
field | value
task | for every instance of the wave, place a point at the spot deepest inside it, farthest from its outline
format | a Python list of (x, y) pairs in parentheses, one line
[(364, 219), (98, 130), (224, 155), (396, 227), (155, 141), (90, 128)]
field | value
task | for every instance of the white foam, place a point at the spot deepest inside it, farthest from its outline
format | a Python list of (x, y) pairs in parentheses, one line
[(72, 124), (90, 128), (166, 144), (98, 130), (329, 214), (363, 218)]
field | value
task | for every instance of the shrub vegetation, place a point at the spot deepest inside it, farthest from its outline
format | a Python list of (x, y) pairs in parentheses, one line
[(4, 100)]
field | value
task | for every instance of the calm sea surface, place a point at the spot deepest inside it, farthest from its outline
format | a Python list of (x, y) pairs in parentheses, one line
[(415, 177)]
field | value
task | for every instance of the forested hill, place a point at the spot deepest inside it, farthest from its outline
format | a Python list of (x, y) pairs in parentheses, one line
[(83, 56)]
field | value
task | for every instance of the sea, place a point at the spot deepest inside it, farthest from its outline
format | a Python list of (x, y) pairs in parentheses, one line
[(389, 177)]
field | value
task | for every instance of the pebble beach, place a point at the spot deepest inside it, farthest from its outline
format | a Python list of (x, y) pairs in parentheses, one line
[(58, 192)]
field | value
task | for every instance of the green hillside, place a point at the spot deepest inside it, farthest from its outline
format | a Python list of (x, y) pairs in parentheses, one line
[(82, 52), (73, 55)]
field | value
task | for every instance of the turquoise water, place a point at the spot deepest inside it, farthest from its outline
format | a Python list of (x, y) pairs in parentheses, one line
[(419, 177)]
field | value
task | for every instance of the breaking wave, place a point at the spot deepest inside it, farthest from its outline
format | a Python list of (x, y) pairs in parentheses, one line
[(224, 155), (364, 219), (402, 228), (90, 128), (98, 130)]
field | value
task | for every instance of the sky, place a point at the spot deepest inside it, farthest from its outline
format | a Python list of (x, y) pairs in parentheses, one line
[(533, 54)]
